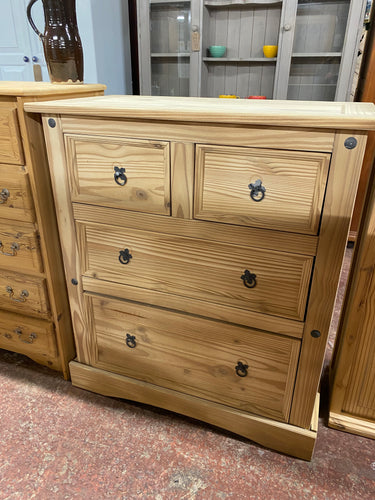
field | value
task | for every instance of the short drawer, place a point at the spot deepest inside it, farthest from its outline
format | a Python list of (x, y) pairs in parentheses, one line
[(24, 294), (10, 137), (29, 336), (266, 188), (19, 247), (123, 173), (236, 366), (266, 281), (15, 194)]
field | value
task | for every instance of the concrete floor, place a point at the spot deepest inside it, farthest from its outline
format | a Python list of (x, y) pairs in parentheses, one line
[(60, 442)]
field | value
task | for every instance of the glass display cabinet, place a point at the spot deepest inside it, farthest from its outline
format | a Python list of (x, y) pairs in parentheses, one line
[(317, 47)]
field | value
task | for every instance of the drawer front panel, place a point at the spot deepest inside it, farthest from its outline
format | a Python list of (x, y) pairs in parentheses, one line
[(236, 366), (29, 336), (200, 269), (24, 294), (15, 194), (19, 247), (273, 189), (10, 139), (129, 174)]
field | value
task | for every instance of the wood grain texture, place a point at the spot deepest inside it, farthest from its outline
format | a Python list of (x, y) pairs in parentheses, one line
[(205, 110), (36, 157), (19, 247), (261, 136), (182, 179), (199, 269), (294, 184), (172, 352), (32, 337), (17, 203), (225, 233), (47, 90), (270, 433), (340, 195), (221, 312), (92, 162), (354, 425), (10, 138), (64, 214), (353, 370)]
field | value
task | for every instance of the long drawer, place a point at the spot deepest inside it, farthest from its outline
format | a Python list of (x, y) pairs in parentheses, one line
[(266, 281), (30, 336), (273, 189), (19, 247), (15, 195), (24, 294), (236, 366), (123, 173)]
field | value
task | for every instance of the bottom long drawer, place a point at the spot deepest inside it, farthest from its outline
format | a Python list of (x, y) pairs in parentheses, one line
[(236, 366), (30, 336)]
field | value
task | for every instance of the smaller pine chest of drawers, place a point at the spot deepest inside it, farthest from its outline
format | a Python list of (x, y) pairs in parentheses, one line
[(202, 244), (34, 308)]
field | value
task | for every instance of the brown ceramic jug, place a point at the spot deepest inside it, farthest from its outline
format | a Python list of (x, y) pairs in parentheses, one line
[(61, 41)]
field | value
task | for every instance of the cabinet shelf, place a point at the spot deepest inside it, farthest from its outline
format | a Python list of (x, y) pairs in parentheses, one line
[(169, 1), (171, 55), (240, 60), (301, 55), (236, 3)]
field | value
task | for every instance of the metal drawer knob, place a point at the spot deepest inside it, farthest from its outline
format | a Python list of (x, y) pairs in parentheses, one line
[(241, 369), (4, 195), (125, 256), (120, 176), (14, 247), (130, 341), (23, 295), (249, 279), (30, 338), (257, 191)]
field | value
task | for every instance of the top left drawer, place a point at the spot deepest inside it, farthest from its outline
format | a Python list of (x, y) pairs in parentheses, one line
[(10, 138), (130, 174)]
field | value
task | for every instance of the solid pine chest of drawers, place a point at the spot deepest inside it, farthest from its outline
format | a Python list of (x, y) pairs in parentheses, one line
[(34, 309), (202, 243)]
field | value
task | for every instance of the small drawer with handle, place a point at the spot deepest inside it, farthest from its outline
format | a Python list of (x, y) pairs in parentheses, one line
[(271, 189), (239, 367), (30, 336), (15, 195), (266, 281), (123, 173), (24, 294), (19, 247), (10, 137)]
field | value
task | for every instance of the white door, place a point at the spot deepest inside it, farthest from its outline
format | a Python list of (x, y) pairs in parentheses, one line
[(20, 48)]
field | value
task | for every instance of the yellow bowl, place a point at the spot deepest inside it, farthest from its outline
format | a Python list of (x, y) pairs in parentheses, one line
[(270, 50), (228, 96)]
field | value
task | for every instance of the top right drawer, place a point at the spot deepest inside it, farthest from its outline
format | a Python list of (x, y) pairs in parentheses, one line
[(267, 188)]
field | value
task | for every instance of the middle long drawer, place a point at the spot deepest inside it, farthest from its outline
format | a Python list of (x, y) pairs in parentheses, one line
[(267, 281)]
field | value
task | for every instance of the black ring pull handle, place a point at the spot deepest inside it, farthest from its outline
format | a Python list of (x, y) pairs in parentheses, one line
[(125, 256), (130, 341), (120, 176), (257, 191), (241, 369), (249, 279)]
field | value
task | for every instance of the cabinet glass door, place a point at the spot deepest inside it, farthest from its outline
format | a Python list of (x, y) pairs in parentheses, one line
[(317, 61), (170, 47)]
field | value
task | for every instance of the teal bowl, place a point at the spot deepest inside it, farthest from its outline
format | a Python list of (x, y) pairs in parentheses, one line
[(217, 50)]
